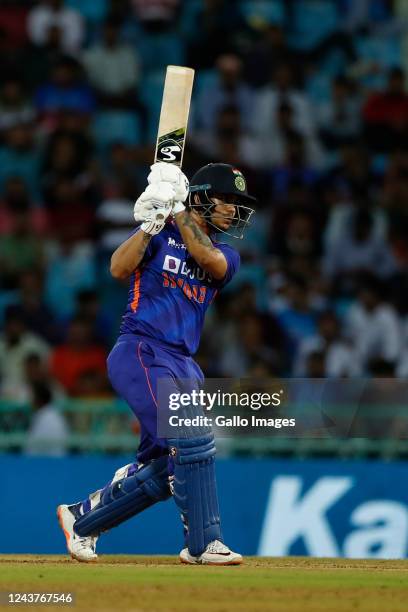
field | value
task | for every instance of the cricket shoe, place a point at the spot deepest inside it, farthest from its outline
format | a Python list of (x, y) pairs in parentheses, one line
[(216, 553), (80, 548)]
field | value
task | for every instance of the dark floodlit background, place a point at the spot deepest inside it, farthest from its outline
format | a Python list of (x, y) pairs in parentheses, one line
[(308, 98)]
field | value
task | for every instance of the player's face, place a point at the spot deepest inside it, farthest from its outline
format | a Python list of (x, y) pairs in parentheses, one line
[(224, 211)]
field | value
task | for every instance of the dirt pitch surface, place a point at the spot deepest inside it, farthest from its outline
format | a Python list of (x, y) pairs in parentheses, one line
[(150, 584)]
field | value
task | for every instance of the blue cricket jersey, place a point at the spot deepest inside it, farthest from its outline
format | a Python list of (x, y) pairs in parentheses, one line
[(169, 293)]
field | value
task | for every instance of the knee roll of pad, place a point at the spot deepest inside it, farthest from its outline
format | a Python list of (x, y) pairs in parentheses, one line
[(127, 497), (195, 490), (192, 450)]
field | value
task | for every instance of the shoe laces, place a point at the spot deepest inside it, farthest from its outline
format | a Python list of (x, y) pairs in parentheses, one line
[(87, 542), (93, 542), (217, 547)]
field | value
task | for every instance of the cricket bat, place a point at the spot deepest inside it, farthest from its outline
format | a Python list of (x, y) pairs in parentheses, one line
[(175, 109)]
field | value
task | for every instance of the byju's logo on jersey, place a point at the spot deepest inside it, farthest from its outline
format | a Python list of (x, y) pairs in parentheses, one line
[(171, 264), (169, 151), (176, 266)]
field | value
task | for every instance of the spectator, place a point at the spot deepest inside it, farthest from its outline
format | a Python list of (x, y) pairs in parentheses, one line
[(273, 152), (19, 156), (36, 372), (67, 158), (251, 341), (294, 169), (113, 69), (339, 119), (66, 91), (11, 56), (280, 106), (15, 107), (71, 268), (227, 141), (282, 88), (295, 234), (40, 61), (20, 250), (90, 308), (379, 404), (315, 365), (366, 14), (353, 172), (335, 206), (393, 199), (218, 28), (339, 359), (71, 213), (80, 356), (156, 15), (230, 90), (53, 14), (32, 309), (296, 317), (16, 343), (16, 198), (122, 177), (264, 56), (358, 250), (48, 434), (373, 325), (246, 335), (116, 222), (385, 115), (93, 384), (343, 211)]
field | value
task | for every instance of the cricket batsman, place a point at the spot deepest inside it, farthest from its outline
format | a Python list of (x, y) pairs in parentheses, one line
[(176, 267)]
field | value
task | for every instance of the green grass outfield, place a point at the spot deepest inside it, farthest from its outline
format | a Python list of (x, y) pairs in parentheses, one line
[(150, 584)]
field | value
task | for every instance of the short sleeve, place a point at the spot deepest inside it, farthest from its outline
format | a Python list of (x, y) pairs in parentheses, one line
[(233, 262)]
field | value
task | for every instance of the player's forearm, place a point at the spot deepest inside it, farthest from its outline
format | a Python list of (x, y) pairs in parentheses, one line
[(200, 247), (129, 254)]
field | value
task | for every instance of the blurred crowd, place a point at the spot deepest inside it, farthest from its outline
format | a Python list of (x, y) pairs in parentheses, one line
[(307, 98)]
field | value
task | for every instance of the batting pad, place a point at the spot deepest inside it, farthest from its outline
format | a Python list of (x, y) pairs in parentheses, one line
[(126, 497), (195, 490)]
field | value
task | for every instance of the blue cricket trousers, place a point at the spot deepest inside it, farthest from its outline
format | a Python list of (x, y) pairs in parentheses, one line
[(135, 365)]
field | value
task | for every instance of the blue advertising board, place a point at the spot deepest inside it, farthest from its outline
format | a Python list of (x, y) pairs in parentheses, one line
[(269, 507)]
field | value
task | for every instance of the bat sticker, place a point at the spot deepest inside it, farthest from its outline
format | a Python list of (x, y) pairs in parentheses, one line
[(170, 147), (169, 151)]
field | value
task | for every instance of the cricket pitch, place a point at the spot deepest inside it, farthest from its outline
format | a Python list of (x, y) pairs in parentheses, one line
[(149, 584)]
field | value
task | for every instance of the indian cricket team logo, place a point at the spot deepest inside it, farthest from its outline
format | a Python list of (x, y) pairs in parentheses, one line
[(239, 180), (169, 151)]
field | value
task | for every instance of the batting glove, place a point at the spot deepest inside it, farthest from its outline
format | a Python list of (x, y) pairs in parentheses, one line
[(153, 227), (178, 207), (156, 200), (169, 173)]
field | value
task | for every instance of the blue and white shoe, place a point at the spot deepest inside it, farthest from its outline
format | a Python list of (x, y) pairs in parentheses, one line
[(80, 548), (216, 553)]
